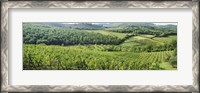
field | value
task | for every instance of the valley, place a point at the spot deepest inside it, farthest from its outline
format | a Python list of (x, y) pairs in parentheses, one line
[(102, 46)]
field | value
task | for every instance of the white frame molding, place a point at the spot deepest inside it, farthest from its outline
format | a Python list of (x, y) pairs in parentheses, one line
[(5, 87)]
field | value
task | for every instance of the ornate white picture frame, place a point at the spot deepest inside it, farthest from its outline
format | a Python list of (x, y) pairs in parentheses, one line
[(6, 5)]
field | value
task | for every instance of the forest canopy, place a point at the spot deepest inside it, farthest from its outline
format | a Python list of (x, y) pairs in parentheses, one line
[(72, 34)]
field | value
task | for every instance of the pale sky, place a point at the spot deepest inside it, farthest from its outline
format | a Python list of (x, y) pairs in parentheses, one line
[(69, 23), (165, 23), (153, 23)]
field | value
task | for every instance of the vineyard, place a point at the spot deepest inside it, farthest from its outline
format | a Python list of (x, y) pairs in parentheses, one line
[(89, 46), (74, 58)]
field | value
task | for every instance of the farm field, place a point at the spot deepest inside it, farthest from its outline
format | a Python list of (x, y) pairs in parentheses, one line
[(87, 46), (58, 57)]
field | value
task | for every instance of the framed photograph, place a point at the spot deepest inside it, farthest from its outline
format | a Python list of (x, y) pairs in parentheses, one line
[(100, 46)]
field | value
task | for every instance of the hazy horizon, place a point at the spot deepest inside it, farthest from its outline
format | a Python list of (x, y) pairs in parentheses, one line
[(156, 23)]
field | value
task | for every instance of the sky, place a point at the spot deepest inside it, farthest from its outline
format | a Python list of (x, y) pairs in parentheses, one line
[(69, 23), (165, 23), (153, 23), (88, 22)]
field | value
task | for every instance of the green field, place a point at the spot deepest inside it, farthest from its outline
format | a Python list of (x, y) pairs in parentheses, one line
[(120, 35), (94, 47), (148, 39), (80, 57)]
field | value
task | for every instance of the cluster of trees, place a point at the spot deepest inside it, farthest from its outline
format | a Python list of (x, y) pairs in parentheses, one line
[(39, 57), (85, 26), (158, 31), (37, 34)]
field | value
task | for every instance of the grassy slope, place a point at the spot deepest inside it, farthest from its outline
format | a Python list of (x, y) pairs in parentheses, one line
[(166, 66), (165, 39), (148, 39), (139, 40), (120, 35)]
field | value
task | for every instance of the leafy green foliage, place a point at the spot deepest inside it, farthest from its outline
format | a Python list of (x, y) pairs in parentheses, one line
[(42, 57), (36, 34), (84, 46), (158, 31)]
